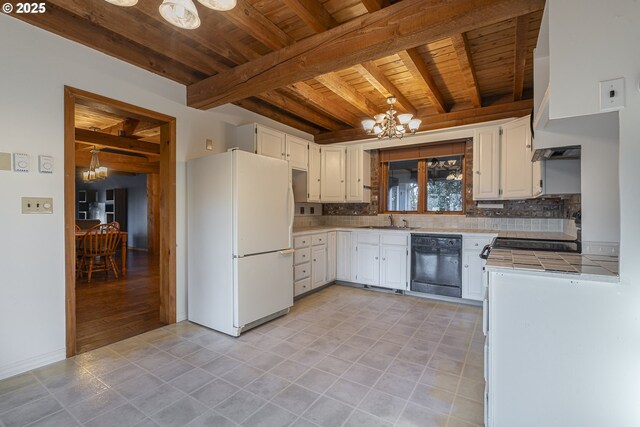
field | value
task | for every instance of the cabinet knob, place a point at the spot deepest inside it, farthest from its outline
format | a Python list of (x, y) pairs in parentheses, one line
[(376, 257), (477, 172), (342, 180), (529, 146), (304, 271), (318, 179), (384, 259), (358, 179), (476, 244), (304, 256), (466, 266)]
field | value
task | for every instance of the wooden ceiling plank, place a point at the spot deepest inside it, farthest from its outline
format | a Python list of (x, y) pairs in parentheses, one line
[(520, 53), (374, 5), (118, 162), (441, 121), (74, 28), (321, 102), (120, 142), (246, 17), (313, 13), (401, 26), (382, 84), (266, 110), (461, 46), (299, 109), (123, 22), (345, 91), (418, 68)]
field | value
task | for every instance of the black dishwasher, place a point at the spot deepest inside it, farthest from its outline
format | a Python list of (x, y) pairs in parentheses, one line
[(435, 264)]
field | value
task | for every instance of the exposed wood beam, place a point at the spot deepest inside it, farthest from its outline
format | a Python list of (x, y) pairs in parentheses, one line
[(345, 91), (246, 17), (370, 71), (118, 162), (461, 45), (312, 13), (418, 69), (319, 101), (374, 5), (128, 126), (78, 29), (299, 109), (401, 26), (125, 23), (120, 142), (441, 121), (259, 107), (520, 54), (112, 110)]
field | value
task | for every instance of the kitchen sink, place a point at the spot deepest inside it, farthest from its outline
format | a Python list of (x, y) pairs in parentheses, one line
[(386, 227)]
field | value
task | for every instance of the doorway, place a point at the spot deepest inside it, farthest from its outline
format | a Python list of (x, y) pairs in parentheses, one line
[(131, 142)]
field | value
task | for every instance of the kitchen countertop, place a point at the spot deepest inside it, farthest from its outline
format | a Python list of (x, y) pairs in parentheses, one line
[(569, 264)]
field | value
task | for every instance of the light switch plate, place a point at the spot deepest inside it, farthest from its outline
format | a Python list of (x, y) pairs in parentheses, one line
[(45, 164), (612, 94), (37, 205), (5, 161), (20, 162)]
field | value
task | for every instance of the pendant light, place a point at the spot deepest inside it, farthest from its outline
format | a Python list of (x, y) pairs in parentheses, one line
[(181, 13), (124, 3), (389, 125), (221, 5), (95, 172)]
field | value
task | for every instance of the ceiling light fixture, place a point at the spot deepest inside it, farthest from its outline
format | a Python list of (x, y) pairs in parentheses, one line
[(183, 13), (95, 172), (388, 125)]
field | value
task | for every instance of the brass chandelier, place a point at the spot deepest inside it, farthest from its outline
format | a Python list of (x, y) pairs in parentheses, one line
[(387, 125)]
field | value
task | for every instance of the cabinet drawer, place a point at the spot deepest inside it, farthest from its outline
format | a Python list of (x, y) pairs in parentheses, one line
[(370, 237), (395, 239), (301, 286), (301, 271), (475, 244), (319, 239), (302, 255), (301, 242)]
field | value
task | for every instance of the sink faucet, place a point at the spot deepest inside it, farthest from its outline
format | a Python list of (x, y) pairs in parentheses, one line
[(406, 223), (391, 220)]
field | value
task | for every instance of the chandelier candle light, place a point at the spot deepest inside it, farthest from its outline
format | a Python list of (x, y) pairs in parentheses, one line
[(95, 172), (388, 125)]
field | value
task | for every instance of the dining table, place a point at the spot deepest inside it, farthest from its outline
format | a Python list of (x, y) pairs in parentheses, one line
[(123, 247)]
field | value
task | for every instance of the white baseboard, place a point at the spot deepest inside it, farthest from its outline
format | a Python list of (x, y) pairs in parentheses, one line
[(16, 368), (601, 248), (181, 316)]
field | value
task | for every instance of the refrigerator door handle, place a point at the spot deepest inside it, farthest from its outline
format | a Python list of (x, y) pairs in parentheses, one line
[(287, 251), (292, 211)]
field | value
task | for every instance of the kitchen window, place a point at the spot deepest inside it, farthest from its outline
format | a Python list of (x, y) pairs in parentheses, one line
[(424, 179)]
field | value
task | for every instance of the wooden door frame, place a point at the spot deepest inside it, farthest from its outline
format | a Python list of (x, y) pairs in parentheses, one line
[(167, 207)]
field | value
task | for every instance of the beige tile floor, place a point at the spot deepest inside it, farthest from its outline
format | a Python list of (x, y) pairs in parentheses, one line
[(342, 357)]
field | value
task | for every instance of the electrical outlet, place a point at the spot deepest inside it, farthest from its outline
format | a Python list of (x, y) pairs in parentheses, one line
[(37, 205), (612, 94)]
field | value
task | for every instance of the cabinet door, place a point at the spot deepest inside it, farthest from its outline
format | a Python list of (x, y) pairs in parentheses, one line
[(313, 175), (393, 266), (318, 266), (331, 256), (354, 185), (368, 264), (343, 255), (537, 178), (486, 164), (271, 143), (472, 265), (332, 174), (517, 169), (297, 152)]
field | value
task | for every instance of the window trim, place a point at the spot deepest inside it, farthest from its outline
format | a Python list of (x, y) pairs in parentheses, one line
[(421, 153)]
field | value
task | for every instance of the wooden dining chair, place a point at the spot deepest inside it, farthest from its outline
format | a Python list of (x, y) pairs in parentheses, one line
[(98, 248)]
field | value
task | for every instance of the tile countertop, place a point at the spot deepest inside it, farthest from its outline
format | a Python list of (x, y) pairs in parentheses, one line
[(299, 231), (588, 267)]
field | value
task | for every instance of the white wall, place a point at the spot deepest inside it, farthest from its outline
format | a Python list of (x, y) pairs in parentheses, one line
[(34, 68)]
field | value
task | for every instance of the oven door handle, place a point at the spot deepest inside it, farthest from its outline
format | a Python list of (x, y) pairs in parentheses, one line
[(485, 252)]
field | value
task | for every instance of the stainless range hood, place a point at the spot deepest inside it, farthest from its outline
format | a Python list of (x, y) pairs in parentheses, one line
[(559, 153)]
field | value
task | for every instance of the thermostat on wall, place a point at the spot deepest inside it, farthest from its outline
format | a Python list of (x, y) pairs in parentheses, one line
[(45, 164), (20, 162)]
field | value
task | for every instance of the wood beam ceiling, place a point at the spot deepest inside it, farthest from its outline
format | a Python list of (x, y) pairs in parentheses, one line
[(401, 26), (520, 53), (382, 84), (245, 16), (414, 62), (264, 109), (312, 13), (441, 121), (120, 142), (118, 162), (345, 91), (463, 52), (321, 102), (286, 103)]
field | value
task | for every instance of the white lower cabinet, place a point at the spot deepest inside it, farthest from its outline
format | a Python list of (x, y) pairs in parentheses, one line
[(314, 261), (343, 255), (381, 259), (393, 266), (368, 264), (331, 256), (472, 267), (318, 266)]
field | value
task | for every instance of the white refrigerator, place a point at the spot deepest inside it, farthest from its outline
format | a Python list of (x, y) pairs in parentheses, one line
[(240, 256)]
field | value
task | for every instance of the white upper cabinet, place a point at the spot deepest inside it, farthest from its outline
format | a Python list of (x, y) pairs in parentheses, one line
[(358, 173), (486, 163), (270, 143), (313, 175), (297, 152), (332, 174), (517, 169)]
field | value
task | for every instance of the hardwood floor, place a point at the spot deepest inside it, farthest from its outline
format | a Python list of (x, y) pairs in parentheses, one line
[(110, 310)]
